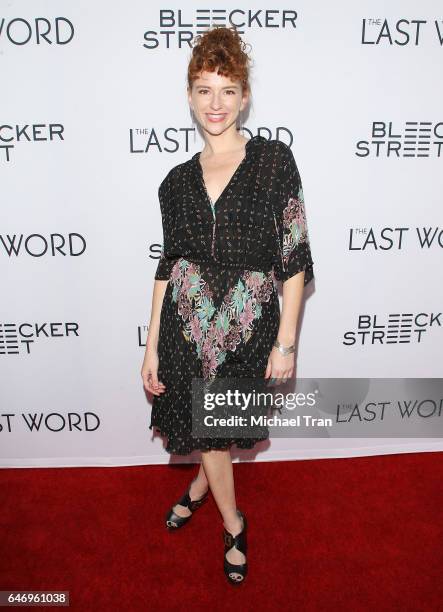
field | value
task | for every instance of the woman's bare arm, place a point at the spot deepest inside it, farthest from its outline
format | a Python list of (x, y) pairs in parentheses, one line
[(150, 362), (292, 296), (158, 294), (283, 366)]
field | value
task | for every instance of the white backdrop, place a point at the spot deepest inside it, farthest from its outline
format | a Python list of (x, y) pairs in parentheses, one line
[(94, 113)]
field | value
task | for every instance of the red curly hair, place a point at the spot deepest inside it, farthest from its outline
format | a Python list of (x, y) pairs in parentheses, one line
[(220, 48)]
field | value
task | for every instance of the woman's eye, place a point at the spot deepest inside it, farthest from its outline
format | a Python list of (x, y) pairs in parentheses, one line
[(230, 91)]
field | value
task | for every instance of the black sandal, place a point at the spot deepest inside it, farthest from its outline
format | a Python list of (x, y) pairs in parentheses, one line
[(239, 542), (174, 520)]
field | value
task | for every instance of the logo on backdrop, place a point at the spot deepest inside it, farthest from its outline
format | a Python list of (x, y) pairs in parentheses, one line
[(411, 139), (142, 334), (394, 238), (37, 31), (19, 338), (177, 28), (398, 328), (400, 32), (155, 251), (38, 422), (173, 140), (38, 245), (13, 135)]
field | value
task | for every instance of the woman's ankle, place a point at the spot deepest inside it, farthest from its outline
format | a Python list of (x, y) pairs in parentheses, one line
[(233, 523), (198, 487)]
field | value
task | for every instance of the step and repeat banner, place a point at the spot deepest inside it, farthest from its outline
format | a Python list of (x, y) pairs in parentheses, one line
[(94, 113)]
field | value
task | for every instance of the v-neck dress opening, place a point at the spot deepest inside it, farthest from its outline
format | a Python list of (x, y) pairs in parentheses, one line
[(197, 161)]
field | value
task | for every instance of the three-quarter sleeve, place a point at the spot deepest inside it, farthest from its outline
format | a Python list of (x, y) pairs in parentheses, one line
[(294, 252), (166, 261)]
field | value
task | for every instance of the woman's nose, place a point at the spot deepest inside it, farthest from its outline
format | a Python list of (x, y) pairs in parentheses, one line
[(216, 103)]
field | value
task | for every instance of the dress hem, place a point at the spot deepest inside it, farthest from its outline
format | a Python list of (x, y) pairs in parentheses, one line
[(230, 442)]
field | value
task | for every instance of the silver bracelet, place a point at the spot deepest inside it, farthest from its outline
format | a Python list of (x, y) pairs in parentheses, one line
[(284, 350)]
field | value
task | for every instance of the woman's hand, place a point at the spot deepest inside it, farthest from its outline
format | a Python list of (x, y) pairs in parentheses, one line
[(149, 373), (280, 366)]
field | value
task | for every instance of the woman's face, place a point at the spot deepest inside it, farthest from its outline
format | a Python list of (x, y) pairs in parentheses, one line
[(216, 101)]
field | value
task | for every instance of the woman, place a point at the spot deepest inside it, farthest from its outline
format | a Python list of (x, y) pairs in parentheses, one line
[(233, 224)]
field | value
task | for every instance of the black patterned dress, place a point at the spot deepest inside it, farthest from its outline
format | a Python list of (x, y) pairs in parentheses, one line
[(221, 313)]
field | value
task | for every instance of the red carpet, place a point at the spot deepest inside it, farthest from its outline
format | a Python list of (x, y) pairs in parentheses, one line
[(334, 534)]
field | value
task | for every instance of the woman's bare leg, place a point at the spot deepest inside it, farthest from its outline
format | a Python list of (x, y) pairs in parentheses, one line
[(197, 490), (217, 466)]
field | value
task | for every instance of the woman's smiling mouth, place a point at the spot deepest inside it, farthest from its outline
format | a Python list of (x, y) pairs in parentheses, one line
[(216, 116)]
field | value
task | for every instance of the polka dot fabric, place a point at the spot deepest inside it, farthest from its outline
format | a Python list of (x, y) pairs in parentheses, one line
[(220, 313)]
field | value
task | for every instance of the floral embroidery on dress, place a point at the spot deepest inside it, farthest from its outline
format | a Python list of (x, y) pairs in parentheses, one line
[(217, 331), (295, 229)]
